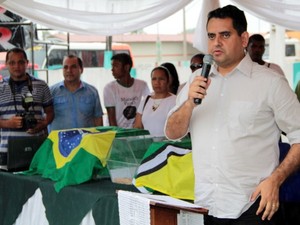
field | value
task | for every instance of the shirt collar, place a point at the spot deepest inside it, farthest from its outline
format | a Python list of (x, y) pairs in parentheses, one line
[(62, 84), (244, 67)]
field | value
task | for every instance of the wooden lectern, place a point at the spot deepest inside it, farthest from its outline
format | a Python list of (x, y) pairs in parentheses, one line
[(162, 214)]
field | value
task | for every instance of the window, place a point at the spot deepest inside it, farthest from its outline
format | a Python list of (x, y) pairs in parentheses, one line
[(90, 58), (290, 50)]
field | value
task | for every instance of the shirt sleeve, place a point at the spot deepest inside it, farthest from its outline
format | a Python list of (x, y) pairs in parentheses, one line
[(180, 99), (109, 96), (47, 99), (98, 108), (286, 109)]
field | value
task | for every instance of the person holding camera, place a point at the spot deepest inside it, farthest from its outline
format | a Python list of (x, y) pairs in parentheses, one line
[(26, 104)]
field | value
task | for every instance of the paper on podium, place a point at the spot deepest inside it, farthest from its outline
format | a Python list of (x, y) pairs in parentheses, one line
[(133, 209), (189, 218)]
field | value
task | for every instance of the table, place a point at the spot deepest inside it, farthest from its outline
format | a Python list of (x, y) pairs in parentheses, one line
[(97, 198)]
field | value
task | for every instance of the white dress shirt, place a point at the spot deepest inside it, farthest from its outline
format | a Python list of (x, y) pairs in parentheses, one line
[(235, 133)]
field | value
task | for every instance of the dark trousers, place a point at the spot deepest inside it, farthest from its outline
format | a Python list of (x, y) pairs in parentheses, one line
[(249, 217)]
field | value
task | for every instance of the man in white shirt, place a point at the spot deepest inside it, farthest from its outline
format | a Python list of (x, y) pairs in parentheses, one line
[(236, 128), (123, 96), (256, 50)]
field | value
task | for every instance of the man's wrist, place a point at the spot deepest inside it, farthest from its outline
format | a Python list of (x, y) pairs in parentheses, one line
[(4, 123)]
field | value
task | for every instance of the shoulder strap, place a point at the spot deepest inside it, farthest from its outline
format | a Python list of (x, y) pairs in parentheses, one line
[(147, 98)]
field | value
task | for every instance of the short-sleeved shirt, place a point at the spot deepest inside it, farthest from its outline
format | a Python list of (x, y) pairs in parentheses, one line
[(125, 100), (235, 133), (274, 67), (75, 109), (154, 119), (11, 104)]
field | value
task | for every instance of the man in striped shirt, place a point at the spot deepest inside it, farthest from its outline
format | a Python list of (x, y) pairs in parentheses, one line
[(22, 94)]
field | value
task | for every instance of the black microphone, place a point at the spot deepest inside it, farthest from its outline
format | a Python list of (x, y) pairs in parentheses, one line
[(207, 61)]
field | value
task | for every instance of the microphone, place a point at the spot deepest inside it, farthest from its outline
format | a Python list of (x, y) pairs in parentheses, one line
[(207, 61)]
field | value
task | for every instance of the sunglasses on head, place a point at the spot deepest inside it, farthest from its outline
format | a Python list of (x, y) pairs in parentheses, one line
[(195, 66)]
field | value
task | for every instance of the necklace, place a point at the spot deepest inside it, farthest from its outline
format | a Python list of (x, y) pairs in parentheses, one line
[(156, 104)]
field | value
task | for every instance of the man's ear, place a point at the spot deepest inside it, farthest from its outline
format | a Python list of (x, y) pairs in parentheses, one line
[(245, 39)]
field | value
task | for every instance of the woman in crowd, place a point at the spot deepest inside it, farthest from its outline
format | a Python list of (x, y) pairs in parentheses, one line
[(153, 109)]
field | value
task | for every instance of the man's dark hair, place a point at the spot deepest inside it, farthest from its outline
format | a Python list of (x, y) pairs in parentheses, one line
[(78, 60), (256, 37), (16, 50), (239, 21), (124, 58), (199, 55)]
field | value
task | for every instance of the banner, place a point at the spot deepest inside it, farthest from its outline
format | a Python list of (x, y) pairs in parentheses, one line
[(11, 36), (167, 168)]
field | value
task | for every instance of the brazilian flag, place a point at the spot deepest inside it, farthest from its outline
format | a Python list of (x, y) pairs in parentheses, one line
[(74, 156)]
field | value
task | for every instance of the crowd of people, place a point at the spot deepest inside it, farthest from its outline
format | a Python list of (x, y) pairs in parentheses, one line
[(246, 105), (73, 103)]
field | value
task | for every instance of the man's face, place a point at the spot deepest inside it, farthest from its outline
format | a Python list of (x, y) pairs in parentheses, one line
[(118, 69), (71, 70), (256, 50), (16, 65), (224, 43)]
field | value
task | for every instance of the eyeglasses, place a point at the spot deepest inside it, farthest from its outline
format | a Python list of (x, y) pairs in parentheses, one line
[(196, 66)]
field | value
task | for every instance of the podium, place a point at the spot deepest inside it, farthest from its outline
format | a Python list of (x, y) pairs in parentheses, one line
[(144, 209), (162, 214)]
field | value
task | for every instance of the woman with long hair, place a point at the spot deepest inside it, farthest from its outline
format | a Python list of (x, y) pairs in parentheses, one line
[(153, 109)]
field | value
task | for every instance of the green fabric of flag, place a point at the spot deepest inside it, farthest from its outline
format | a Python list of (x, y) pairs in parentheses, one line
[(72, 156)]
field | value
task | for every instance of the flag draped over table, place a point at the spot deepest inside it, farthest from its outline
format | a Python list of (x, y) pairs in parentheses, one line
[(72, 156), (167, 168)]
